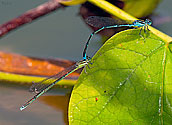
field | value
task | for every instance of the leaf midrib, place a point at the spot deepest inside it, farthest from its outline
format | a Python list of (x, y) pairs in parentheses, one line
[(130, 75)]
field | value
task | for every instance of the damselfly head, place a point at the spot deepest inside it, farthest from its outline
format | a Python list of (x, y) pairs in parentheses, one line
[(148, 21)]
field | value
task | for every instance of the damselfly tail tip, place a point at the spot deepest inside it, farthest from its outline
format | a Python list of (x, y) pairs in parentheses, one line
[(22, 108)]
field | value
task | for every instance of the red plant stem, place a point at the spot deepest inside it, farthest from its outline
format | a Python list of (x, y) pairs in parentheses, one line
[(29, 16)]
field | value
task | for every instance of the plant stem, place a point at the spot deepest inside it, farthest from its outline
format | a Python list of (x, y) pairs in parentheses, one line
[(115, 11)]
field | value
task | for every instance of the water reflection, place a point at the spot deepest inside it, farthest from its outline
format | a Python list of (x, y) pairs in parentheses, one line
[(48, 109)]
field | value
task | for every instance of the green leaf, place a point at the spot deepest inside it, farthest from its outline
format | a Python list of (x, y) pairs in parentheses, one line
[(128, 82), (140, 8)]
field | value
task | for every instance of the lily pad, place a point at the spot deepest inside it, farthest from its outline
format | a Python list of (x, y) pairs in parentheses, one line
[(129, 81)]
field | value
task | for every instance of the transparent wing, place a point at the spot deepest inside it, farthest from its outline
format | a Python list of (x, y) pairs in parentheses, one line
[(39, 86), (97, 21)]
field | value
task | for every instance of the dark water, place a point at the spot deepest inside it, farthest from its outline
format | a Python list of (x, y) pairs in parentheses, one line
[(61, 34), (37, 114)]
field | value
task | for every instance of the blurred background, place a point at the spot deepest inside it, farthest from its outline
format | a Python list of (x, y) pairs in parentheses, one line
[(61, 34)]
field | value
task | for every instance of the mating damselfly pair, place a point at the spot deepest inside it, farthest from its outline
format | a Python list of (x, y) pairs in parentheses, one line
[(100, 22)]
